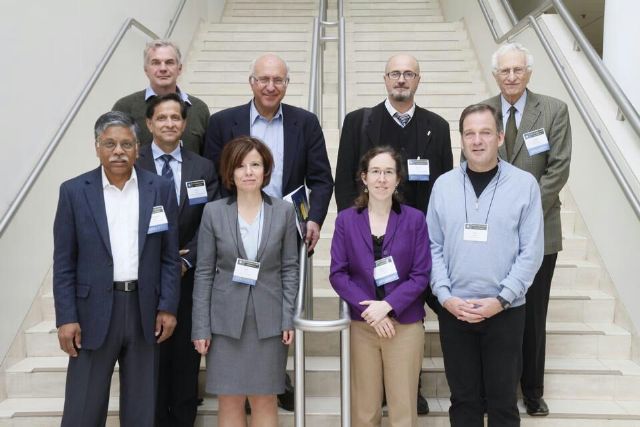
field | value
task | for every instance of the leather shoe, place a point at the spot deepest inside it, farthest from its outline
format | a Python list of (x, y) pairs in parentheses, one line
[(536, 407), (286, 399), (423, 406)]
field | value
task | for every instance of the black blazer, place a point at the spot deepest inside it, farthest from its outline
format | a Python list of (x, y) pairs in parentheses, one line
[(358, 137), (194, 167), (305, 152)]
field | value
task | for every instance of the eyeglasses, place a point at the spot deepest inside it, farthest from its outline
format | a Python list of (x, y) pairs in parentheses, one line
[(278, 82), (408, 75), (111, 145), (387, 173), (505, 72)]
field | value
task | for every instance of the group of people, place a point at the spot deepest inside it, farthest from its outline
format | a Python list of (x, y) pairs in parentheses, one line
[(179, 245)]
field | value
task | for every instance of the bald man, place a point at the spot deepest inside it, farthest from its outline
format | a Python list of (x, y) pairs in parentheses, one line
[(420, 136)]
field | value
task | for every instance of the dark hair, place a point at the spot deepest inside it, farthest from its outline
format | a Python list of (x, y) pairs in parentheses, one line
[(115, 118), (479, 108), (157, 100), (234, 153), (362, 201)]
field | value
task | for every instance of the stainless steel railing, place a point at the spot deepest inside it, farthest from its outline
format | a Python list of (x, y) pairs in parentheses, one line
[(607, 79), (77, 105), (303, 319)]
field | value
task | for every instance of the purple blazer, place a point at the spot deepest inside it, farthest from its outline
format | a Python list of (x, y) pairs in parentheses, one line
[(352, 262)]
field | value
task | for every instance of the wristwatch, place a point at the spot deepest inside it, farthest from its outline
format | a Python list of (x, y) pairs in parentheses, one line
[(503, 302)]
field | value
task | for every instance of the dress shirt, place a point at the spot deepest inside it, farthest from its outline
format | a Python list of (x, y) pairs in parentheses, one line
[(175, 164), (271, 132), (148, 93), (520, 103), (393, 111), (123, 210)]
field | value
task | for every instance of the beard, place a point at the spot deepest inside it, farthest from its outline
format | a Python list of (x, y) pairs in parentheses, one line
[(400, 94)]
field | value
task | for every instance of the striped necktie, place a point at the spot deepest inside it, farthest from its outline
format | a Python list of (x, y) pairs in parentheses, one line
[(403, 118), (166, 169)]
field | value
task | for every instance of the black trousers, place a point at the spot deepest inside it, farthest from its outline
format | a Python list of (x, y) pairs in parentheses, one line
[(89, 375), (535, 334), (483, 361), (179, 367)]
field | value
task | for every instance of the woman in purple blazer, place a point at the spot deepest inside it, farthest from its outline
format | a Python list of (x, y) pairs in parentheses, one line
[(380, 264)]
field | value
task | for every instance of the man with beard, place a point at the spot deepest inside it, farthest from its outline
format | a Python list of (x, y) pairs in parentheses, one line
[(420, 136)]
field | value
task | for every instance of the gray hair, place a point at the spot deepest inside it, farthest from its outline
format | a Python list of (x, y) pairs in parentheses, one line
[(508, 47), (252, 66), (154, 44), (115, 118)]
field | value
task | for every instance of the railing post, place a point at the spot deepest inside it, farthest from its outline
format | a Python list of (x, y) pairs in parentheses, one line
[(299, 402), (345, 374), (342, 72)]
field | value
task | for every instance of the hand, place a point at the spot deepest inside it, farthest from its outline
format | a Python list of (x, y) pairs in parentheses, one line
[(184, 265), (68, 335), (165, 324), (461, 309), (385, 328), (202, 346), (313, 234), (376, 311), (485, 307), (287, 336)]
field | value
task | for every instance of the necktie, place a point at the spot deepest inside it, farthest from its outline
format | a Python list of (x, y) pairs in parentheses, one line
[(166, 169), (510, 133), (403, 118)]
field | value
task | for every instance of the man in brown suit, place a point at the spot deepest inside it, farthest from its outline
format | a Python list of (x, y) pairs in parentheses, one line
[(538, 140)]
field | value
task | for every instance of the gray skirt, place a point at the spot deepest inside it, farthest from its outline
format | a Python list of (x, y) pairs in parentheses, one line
[(249, 365)]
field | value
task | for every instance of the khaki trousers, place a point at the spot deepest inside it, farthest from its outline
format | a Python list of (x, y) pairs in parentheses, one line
[(389, 364)]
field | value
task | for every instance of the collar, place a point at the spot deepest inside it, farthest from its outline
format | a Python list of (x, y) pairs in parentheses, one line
[(393, 111), (233, 198), (105, 181), (157, 152), (463, 166), (395, 206), (148, 93), (254, 114), (520, 103)]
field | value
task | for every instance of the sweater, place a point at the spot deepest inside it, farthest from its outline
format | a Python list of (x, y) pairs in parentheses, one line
[(507, 262)]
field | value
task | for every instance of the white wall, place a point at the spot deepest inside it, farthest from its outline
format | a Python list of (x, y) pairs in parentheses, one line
[(51, 49)]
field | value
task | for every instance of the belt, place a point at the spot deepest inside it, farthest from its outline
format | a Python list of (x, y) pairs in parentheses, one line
[(126, 286)]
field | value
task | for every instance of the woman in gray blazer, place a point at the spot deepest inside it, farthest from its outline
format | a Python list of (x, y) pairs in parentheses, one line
[(246, 282)]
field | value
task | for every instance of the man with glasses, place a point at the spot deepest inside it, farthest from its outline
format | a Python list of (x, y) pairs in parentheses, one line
[(295, 139), (116, 278), (163, 66), (538, 140), (420, 136)]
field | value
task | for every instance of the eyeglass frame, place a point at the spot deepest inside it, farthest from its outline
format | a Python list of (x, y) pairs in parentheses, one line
[(103, 144), (272, 80), (517, 71), (413, 75)]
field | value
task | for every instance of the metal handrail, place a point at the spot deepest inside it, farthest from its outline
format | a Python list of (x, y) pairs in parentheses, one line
[(75, 108), (608, 80)]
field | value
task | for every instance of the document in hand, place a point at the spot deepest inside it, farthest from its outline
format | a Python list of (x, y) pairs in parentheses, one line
[(301, 204)]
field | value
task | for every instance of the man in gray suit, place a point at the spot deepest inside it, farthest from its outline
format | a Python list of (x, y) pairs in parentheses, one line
[(538, 140)]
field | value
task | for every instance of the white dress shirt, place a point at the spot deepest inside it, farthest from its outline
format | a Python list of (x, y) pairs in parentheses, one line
[(123, 211), (392, 111)]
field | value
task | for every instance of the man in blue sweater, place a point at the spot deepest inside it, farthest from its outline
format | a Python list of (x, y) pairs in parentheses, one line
[(486, 230)]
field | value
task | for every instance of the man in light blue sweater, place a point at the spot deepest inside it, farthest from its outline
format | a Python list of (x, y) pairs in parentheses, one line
[(486, 227)]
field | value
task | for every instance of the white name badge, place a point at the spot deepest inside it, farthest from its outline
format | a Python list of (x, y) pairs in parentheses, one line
[(536, 141), (385, 271), (246, 272), (476, 232), (196, 192), (418, 169), (158, 220)]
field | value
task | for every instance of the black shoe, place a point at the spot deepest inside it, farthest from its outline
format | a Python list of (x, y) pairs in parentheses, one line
[(536, 407), (423, 406), (286, 400)]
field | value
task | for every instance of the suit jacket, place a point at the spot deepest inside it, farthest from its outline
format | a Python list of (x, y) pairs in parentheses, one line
[(357, 138), (194, 167), (219, 304), (305, 153), (83, 263), (550, 168), (352, 261)]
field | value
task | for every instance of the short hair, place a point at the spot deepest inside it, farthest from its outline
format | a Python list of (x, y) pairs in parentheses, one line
[(234, 153), (115, 118), (252, 66), (159, 99), (154, 44), (509, 47), (362, 200), (479, 108)]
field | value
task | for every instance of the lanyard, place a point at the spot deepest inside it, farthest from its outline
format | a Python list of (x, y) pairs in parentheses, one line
[(464, 183)]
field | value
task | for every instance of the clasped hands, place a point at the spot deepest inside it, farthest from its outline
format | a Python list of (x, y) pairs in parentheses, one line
[(473, 310), (377, 316)]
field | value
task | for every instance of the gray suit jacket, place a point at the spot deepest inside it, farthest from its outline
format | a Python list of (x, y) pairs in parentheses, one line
[(551, 168), (219, 304)]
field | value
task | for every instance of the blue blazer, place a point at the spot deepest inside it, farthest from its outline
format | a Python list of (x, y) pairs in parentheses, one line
[(83, 263), (305, 153)]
